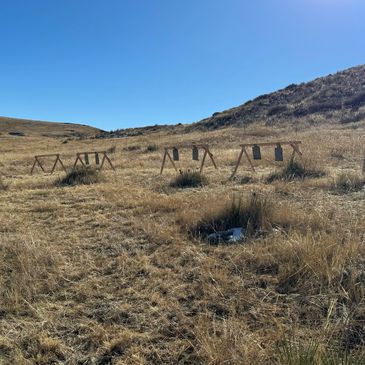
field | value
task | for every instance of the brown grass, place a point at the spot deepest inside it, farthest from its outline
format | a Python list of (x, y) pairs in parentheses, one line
[(348, 183), (84, 175), (106, 273)]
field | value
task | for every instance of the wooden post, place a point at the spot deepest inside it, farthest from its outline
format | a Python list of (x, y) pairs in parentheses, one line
[(237, 164), (163, 161), (36, 161), (211, 157), (55, 163), (108, 159), (78, 159), (363, 165), (203, 160), (248, 158), (60, 161), (295, 150), (172, 161)]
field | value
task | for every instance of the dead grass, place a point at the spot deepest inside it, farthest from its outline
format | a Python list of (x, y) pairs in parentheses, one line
[(28, 270), (258, 213), (296, 170), (348, 183), (3, 185), (106, 273), (189, 179), (84, 175)]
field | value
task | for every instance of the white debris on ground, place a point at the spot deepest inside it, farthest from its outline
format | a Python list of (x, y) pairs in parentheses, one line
[(229, 236)]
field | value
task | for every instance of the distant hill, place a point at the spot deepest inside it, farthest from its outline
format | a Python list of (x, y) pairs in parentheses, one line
[(337, 98), (25, 127)]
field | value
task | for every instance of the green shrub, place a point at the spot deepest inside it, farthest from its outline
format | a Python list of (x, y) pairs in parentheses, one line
[(295, 170), (347, 183), (189, 179), (84, 175)]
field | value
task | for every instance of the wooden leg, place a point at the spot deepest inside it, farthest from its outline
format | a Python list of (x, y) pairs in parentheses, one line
[(248, 158), (78, 159), (211, 157), (40, 165), (31, 171), (110, 163), (203, 160), (63, 166), (237, 164), (172, 161), (102, 162), (163, 162), (296, 150), (54, 165)]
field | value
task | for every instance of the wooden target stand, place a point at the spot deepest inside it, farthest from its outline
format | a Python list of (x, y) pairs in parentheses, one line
[(97, 155), (38, 158), (256, 151), (195, 155)]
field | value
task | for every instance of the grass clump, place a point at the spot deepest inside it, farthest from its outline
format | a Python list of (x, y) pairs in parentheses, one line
[(189, 179), (254, 214), (111, 149), (295, 170), (311, 353), (348, 183), (3, 185), (152, 148), (84, 175)]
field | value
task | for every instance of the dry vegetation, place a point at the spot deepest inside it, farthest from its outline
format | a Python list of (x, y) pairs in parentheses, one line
[(110, 273)]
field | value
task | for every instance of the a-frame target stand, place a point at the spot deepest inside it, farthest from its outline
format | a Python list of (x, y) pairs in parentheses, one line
[(195, 154)]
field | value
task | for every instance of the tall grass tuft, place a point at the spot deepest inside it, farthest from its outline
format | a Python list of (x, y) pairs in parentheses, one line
[(254, 214), (84, 175), (151, 148), (295, 170), (348, 183), (291, 352), (189, 179), (3, 185)]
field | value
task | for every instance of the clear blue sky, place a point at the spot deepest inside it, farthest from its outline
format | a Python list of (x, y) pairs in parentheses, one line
[(124, 63)]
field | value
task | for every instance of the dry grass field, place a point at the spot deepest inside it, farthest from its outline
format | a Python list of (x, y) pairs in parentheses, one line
[(114, 272)]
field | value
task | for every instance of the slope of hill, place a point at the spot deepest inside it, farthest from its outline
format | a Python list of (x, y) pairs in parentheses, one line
[(15, 126), (334, 98), (337, 98)]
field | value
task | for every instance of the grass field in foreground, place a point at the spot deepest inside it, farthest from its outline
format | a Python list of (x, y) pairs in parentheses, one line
[(111, 272)]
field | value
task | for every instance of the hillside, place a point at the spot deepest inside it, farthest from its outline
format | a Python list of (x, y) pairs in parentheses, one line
[(15, 126), (338, 98)]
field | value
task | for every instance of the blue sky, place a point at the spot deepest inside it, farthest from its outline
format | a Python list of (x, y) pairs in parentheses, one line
[(125, 63)]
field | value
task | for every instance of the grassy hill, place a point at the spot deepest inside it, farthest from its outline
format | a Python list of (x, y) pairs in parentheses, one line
[(15, 126), (338, 98)]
